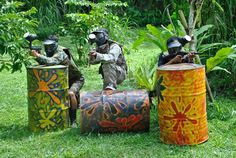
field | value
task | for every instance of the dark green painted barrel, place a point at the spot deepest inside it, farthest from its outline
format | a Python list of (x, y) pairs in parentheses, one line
[(48, 98)]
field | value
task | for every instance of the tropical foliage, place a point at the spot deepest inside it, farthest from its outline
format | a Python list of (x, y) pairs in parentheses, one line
[(213, 52), (220, 56), (145, 75), (13, 24), (72, 21), (81, 24), (214, 22), (50, 14)]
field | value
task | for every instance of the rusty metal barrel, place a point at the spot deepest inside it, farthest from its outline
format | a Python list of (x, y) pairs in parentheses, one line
[(182, 104), (114, 111), (48, 98)]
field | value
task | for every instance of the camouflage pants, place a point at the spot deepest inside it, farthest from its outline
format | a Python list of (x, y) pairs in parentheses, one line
[(113, 74), (75, 86)]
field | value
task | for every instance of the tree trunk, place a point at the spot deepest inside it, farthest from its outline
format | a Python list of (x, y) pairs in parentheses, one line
[(191, 25)]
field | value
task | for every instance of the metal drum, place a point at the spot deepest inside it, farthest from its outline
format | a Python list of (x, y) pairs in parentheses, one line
[(48, 98), (182, 104), (114, 111)]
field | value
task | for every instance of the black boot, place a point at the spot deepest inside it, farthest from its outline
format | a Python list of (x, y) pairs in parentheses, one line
[(72, 114)]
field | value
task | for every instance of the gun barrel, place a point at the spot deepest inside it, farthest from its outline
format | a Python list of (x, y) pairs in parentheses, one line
[(35, 48)]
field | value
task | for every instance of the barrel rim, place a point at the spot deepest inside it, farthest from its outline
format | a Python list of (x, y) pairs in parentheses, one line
[(177, 68), (112, 92), (47, 67)]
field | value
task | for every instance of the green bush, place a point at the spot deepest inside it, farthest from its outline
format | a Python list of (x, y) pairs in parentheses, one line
[(49, 16), (13, 25), (224, 82), (150, 11), (222, 15), (81, 24)]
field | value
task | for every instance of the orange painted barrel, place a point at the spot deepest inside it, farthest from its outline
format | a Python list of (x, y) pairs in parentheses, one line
[(182, 104), (114, 111)]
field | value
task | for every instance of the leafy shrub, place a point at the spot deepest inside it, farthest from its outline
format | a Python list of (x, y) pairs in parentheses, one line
[(145, 75), (219, 57), (159, 37), (221, 15), (81, 24), (50, 15), (224, 82), (150, 11), (154, 35), (13, 25)]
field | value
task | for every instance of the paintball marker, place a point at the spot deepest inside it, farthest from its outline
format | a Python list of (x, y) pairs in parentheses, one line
[(31, 37), (92, 39), (183, 54)]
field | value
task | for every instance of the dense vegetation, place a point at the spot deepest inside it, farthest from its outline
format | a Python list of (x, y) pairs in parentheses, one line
[(215, 29), (143, 28), (17, 141)]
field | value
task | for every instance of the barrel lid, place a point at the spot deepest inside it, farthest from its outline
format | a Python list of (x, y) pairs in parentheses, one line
[(182, 66), (47, 67)]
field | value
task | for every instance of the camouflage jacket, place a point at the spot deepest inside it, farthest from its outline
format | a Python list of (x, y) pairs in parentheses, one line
[(166, 57), (112, 54), (62, 56)]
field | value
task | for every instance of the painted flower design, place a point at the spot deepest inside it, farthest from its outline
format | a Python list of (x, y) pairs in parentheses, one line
[(89, 105), (122, 123), (180, 116), (46, 121), (44, 85)]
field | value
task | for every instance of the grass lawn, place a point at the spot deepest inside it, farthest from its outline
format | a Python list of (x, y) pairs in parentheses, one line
[(17, 141)]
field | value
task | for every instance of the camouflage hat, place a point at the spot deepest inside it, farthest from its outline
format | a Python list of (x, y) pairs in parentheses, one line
[(174, 43), (101, 36), (102, 30), (50, 47), (178, 41)]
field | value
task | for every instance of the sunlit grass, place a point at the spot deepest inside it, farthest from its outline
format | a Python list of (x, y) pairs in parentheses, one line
[(17, 141)]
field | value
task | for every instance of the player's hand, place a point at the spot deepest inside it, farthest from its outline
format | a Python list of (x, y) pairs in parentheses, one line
[(93, 53), (34, 53), (177, 59), (191, 55)]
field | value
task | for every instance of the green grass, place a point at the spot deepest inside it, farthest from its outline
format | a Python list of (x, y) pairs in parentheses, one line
[(17, 141)]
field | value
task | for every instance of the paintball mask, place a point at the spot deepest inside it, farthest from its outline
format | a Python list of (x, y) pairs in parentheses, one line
[(50, 46), (99, 37), (175, 44)]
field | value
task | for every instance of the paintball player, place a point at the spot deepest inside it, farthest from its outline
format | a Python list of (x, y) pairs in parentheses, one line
[(113, 66), (58, 55), (175, 54)]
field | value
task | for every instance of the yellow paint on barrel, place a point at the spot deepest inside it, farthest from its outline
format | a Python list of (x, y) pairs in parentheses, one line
[(48, 98), (182, 104)]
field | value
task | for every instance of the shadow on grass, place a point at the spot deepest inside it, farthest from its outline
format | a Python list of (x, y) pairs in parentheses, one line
[(14, 131), (116, 144), (74, 133), (17, 132)]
